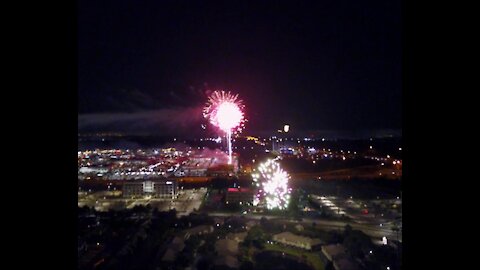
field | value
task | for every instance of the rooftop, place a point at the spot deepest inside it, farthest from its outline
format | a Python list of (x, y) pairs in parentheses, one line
[(290, 237), (239, 190), (333, 250), (226, 247), (227, 260), (239, 237)]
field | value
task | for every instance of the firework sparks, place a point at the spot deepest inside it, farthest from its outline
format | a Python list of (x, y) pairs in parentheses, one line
[(224, 110), (272, 184)]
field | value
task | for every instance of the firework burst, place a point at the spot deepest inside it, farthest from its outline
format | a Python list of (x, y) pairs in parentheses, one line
[(225, 111), (272, 183)]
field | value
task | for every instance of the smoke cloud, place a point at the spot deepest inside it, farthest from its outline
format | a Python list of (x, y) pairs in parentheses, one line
[(171, 121)]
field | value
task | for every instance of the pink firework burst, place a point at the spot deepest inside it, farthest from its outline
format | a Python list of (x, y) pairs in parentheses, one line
[(225, 111)]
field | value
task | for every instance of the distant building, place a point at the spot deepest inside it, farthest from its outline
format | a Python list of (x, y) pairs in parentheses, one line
[(165, 188), (132, 189), (92, 170), (220, 170), (288, 238), (239, 195), (179, 173), (157, 188)]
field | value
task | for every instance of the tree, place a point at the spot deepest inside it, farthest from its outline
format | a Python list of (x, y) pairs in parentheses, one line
[(396, 229), (184, 258), (246, 265), (348, 229), (192, 242), (357, 242), (263, 221), (204, 264), (257, 237)]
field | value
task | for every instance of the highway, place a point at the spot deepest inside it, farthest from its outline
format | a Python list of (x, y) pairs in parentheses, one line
[(374, 231)]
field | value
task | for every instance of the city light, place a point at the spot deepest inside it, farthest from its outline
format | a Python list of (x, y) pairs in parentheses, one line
[(286, 128)]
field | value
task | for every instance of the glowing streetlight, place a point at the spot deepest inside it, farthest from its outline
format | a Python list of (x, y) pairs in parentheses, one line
[(286, 128)]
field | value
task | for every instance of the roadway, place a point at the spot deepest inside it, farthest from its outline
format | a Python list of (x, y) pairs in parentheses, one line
[(372, 230)]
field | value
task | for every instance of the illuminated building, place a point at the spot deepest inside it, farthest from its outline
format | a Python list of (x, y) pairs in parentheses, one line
[(158, 188), (239, 195)]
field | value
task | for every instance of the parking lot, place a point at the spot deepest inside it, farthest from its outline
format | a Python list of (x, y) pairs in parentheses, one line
[(382, 212)]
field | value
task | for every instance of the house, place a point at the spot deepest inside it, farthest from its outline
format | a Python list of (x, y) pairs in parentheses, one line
[(239, 196), (226, 247), (290, 239), (227, 251), (237, 237), (250, 224), (228, 261)]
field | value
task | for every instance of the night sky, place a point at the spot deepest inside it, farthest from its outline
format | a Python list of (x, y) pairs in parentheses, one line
[(317, 65)]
